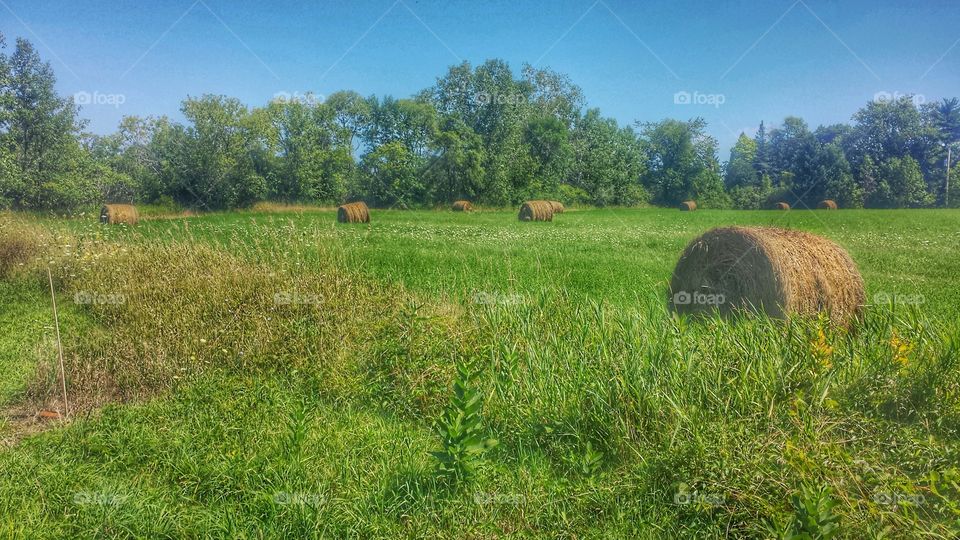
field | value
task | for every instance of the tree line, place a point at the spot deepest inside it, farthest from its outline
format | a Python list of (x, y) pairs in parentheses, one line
[(482, 133)]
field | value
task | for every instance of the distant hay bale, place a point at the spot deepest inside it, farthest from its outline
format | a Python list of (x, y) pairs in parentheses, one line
[(827, 204), (773, 271), (536, 211), (462, 206), (112, 214), (781, 206), (355, 212), (688, 206), (557, 207)]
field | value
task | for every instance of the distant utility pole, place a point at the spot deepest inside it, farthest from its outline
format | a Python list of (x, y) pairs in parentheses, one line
[(946, 188)]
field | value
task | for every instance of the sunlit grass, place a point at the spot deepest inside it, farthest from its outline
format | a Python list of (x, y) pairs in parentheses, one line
[(314, 414)]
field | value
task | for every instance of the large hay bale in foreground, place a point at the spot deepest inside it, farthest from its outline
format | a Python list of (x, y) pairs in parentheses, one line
[(536, 211), (113, 214), (557, 207), (781, 206), (355, 212), (827, 204), (774, 271), (462, 206), (688, 206)]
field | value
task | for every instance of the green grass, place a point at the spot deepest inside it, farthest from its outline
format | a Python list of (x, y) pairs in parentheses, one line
[(249, 418), (609, 255)]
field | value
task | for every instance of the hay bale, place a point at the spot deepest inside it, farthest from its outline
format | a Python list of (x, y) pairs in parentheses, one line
[(536, 211), (355, 212), (557, 206), (112, 214), (827, 204), (773, 271), (688, 206), (781, 206), (462, 206)]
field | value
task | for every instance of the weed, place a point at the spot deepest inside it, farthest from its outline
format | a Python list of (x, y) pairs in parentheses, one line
[(461, 430)]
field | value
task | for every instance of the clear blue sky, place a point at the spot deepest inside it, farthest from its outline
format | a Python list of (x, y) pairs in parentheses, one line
[(819, 59)]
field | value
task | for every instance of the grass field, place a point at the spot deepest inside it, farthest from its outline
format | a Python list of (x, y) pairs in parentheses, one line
[(275, 374)]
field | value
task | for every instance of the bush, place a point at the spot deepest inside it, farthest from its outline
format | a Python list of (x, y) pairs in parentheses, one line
[(633, 195), (67, 193)]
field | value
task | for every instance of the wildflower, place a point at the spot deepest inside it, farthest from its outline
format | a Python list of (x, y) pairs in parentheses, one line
[(901, 349), (822, 350)]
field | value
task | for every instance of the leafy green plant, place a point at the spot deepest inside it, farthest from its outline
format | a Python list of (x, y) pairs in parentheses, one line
[(461, 429), (813, 515), (589, 461)]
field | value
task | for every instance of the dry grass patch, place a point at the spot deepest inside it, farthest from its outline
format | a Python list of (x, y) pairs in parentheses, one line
[(19, 244), (167, 313)]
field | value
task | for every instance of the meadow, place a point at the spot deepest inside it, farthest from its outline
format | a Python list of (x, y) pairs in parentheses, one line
[(271, 373)]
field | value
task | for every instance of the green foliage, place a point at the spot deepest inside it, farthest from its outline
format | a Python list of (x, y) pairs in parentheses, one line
[(823, 173), (954, 194), (41, 161), (609, 162), (392, 176), (461, 429), (900, 185), (458, 172), (740, 170), (813, 515), (219, 168), (310, 151), (682, 164)]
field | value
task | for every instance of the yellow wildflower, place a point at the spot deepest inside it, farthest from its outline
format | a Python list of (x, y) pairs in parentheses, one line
[(901, 349), (821, 350)]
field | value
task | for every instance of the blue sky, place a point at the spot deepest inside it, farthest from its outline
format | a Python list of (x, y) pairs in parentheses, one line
[(740, 62)]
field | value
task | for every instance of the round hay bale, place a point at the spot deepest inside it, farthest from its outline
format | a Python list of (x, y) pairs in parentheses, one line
[(355, 212), (767, 270), (557, 206), (781, 206), (536, 211), (827, 204), (462, 206), (688, 206), (113, 214)]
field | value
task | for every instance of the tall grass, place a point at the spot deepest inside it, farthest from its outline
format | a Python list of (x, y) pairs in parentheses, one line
[(297, 396)]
